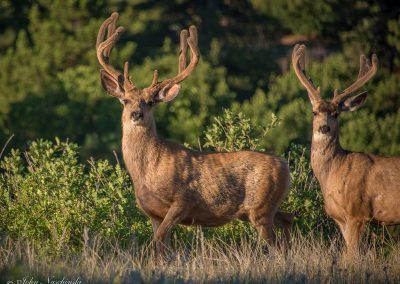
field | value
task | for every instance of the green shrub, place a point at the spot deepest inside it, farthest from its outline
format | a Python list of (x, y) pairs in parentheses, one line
[(305, 197), (234, 131), (47, 196)]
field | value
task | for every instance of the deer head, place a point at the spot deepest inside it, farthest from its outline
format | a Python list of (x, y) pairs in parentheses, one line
[(326, 112), (138, 103)]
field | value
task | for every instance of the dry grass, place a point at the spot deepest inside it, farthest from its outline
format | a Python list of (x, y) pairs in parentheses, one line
[(309, 260)]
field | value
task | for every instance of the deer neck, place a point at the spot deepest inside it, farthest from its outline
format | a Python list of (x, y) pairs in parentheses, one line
[(140, 149), (324, 150)]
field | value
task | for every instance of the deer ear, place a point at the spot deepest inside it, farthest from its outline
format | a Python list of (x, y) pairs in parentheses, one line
[(111, 85), (168, 93), (353, 103)]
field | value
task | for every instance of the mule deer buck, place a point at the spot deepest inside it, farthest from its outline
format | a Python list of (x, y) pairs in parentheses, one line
[(356, 187), (176, 185)]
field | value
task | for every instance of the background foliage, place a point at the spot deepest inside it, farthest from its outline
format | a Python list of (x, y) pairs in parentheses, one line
[(50, 81), (47, 196), (49, 87)]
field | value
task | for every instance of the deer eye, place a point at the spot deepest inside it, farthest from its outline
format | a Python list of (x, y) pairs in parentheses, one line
[(314, 113), (125, 102)]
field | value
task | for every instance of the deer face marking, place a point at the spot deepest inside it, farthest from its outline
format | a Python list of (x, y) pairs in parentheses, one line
[(138, 108), (325, 118)]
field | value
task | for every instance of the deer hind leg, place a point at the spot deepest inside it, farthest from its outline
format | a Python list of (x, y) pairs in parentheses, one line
[(285, 221), (174, 215), (264, 226)]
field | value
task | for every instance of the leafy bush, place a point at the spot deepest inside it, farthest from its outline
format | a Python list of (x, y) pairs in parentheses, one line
[(47, 196), (305, 197), (233, 131)]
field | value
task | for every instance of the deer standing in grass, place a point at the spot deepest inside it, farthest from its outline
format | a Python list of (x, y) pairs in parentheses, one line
[(356, 187), (176, 185)]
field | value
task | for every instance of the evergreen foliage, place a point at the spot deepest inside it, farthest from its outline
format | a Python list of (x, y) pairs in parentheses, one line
[(50, 81)]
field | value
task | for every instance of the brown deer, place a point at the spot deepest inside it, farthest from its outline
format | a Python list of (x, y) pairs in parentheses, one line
[(176, 185), (356, 187)]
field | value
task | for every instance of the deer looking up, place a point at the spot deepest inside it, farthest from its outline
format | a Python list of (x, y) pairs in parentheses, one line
[(356, 187), (176, 185)]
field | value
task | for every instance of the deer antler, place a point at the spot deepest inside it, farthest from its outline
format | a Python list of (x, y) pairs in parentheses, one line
[(103, 48), (186, 38), (367, 71), (298, 62)]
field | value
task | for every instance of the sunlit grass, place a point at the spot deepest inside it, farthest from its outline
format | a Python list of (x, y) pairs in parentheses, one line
[(308, 260)]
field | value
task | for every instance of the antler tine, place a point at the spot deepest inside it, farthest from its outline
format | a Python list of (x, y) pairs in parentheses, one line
[(107, 26), (100, 53), (298, 62), (102, 30), (182, 58), (183, 50), (128, 85), (184, 71), (103, 48), (366, 72), (155, 78), (110, 32), (194, 39), (364, 64)]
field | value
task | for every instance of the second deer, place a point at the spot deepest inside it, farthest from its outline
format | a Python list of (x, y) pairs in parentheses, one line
[(176, 185), (357, 187)]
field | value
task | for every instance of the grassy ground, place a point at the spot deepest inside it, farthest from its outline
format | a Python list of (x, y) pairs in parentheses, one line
[(309, 260)]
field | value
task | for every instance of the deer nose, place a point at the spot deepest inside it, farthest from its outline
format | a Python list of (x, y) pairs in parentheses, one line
[(136, 115), (324, 129)]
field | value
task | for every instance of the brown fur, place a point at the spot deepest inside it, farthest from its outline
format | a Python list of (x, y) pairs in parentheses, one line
[(176, 185), (357, 187)]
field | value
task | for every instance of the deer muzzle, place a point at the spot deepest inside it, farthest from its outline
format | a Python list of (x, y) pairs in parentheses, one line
[(324, 129), (137, 115)]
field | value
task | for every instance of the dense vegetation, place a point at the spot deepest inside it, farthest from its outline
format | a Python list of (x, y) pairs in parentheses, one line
[(66, 220), (55, 195), (50, 76), (47, 196)]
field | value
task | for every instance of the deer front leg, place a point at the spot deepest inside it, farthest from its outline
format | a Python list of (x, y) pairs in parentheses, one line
[(174, 215), (352, 232), (155, 223)]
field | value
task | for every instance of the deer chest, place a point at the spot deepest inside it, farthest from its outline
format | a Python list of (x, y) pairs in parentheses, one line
[(151, 203)]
